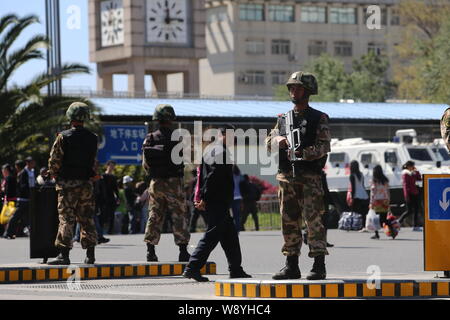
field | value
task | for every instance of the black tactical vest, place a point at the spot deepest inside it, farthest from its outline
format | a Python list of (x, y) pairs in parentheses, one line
[(80, 150), (157, 153), (312, 117)]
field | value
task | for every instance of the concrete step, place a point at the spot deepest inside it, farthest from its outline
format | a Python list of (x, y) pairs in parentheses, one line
[(334, 288), (24, 273)]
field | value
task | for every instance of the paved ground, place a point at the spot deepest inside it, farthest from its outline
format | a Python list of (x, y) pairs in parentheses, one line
[(351, 257)]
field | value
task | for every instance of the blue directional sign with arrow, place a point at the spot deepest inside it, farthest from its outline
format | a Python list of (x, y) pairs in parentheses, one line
[(439, 198), (122, 143)]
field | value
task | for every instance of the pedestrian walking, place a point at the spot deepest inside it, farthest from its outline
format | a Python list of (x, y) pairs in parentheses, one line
[(195, 213), (111, 197), (410, 176), (250, 196), (132, 218), (19, 220), (215, 194), (8, 190), (357, 197), (301, 195), (166, 188), (379, 196), (237, 199), (72, 164)]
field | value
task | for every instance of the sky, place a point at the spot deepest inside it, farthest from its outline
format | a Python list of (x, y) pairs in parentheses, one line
[(74, 42)]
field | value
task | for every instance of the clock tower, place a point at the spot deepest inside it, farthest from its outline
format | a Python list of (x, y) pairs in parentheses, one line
[(147, 37)]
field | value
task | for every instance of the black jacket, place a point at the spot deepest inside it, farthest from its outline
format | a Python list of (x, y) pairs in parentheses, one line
[(216, 179), (80, 150), (23, 185)]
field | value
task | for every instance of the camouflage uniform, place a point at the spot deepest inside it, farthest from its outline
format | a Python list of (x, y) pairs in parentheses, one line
[(166, 188), (76, 203), (166, 195), (445, 128)]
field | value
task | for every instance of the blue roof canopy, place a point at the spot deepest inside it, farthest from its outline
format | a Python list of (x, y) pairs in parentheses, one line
[(269, 109)]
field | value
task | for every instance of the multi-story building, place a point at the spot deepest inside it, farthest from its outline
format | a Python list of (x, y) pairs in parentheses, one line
[(252, 46)]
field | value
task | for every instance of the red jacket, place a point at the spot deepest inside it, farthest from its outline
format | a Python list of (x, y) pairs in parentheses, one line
[(409, 183)]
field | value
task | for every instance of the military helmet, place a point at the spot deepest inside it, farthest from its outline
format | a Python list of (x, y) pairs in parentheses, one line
[(164, 112), (305, 79), (78, 111)]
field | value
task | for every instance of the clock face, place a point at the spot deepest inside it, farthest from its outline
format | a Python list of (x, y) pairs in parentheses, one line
[(112, 24), (167, 21)]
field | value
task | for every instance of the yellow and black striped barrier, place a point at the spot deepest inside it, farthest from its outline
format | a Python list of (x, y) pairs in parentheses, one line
[(333, 289), (37, 273)]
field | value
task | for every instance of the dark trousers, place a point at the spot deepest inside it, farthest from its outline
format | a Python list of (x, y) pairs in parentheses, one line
[(107, 216), (249, 207), (362, 207), (220, 229), (195, 215), (19, 217), (412, 206), (236, 208)]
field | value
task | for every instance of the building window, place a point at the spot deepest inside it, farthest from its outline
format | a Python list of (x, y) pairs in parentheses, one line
[(253, 46), (218, 14), (317, 47), (343, 49), (251, 12), (279, 77), (281, 46), (313, 14), (281, 13), (252, 77), (395, 17), (343, 15), (377, 48)]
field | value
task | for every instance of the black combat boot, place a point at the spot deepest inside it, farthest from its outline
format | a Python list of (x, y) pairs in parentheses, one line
[(239, 273), (196, 275), (184, 254), (290, 271), (90, 255), (62, 258), (151, 255), (318, 271)]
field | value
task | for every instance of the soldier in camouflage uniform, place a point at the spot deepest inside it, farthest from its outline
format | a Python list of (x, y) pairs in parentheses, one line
[(71, 163), (445, 127), (166, 186), (301, 197)]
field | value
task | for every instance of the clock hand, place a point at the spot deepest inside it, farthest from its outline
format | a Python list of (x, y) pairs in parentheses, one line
[(168, 19)]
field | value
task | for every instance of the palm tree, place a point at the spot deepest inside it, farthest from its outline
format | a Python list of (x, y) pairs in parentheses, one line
[(28, 118)]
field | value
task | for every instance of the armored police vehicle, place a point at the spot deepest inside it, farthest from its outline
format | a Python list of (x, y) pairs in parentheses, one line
[(429, 158)]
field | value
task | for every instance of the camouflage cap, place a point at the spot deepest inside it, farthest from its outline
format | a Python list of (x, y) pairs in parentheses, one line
[(305, 79), (78, 111), (164, 112)]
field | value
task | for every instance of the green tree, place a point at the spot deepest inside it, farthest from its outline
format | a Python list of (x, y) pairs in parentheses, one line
[(28, 118), (422, 50), (331, 76), (369, 79)]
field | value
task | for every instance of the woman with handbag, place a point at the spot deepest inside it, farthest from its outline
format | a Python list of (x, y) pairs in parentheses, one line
[(357, 197), (8, 189), (379, 196)]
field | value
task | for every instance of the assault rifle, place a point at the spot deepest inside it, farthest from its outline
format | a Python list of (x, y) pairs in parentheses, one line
[(293, 135)]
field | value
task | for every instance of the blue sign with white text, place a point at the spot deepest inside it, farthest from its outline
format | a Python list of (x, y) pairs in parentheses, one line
[(123, 144), (439, 199)]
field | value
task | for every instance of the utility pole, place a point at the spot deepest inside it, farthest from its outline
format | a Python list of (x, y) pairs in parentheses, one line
[(54, 52)]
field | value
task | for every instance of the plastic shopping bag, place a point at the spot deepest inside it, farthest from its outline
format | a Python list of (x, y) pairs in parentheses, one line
[(372, 221), (7, 212)]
